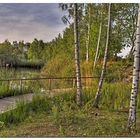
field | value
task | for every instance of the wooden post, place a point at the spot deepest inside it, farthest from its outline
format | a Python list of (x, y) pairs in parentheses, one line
[(50, 85), (21, 85), (8, 85), (73, 83)]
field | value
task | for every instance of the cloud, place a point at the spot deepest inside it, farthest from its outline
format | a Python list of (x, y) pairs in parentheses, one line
[(29, 21)]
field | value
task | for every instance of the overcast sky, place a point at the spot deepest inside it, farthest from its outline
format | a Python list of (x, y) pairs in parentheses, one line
[(29, 21)]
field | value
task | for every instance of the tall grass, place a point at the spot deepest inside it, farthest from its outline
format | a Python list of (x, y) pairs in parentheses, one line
[(9, 73), (5, 92), (38, 104), (113, 97), (12, 88)]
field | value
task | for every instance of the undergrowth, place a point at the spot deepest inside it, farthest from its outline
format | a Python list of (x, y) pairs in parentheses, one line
[(62, 108)]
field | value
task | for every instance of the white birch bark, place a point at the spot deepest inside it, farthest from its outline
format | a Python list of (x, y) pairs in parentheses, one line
[(131, 53), (77, 63), (88, 36), (96, 100), (98, 45), (135, 81)]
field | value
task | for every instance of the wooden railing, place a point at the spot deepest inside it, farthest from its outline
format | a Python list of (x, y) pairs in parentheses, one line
[(48, 83), (45, 78)]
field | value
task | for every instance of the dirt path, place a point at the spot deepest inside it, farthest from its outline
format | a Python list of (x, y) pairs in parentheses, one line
[(9, 103)]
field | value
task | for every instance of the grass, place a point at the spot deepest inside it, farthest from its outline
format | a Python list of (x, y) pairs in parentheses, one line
[(13, 92), (9, 73), (12, 88), (7, 91), (60, 116), (71, 121), (38, 104)]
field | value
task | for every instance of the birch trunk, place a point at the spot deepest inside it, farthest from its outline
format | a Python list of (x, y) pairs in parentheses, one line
[(134, 92), (88, 37), (131, 51), (98, 45), (77, 63), (96, 101)]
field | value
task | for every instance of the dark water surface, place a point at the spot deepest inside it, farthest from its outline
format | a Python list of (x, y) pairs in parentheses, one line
[(8, 73)]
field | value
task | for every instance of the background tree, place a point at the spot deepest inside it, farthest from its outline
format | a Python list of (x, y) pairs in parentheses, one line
[(77, 63), (74, 10), (88, 33), (98, 42), (96, 101), (36, 49)]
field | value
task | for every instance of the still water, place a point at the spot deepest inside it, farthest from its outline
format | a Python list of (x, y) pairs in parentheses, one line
[(9, 73)]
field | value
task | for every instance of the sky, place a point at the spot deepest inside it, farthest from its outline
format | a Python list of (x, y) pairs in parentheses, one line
[(26, 21), (124, 52), (29, 21)]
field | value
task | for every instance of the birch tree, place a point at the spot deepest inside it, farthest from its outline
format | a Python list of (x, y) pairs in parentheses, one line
[(96, 101), (98, 45), (135, 81), (77, 63), (73, 12), (88, 34)]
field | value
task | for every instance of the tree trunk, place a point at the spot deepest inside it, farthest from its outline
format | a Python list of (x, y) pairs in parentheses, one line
[(96, 101), (134, 92), (98, 45), (88, 36), (77, 63), (131, 51)]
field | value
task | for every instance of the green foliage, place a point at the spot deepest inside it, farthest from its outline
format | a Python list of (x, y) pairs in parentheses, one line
[(70, 120), (22, 54), (1, 125), (18, 87), (115, 96), (83, 125), (62, 131), (19, 73), (15, 116), (36, 49), (55, 113), (38, 104), (6, 92), (64, 105), (116, 70), (61, 49), (62, 65)]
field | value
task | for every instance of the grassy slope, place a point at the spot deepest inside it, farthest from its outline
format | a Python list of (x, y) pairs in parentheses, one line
[(92, 123), (84, 122)]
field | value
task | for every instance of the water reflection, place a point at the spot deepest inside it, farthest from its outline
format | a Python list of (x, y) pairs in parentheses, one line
[(8, 73)]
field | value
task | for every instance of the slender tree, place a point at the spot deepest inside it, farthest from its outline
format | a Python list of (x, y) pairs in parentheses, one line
[(98, 45), (88, 34), (134, 92), (73, 12), (77, 63), (96, 101)]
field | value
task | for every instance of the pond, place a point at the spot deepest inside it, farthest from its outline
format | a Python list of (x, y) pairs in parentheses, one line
[(16, 87), (9, 73)]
